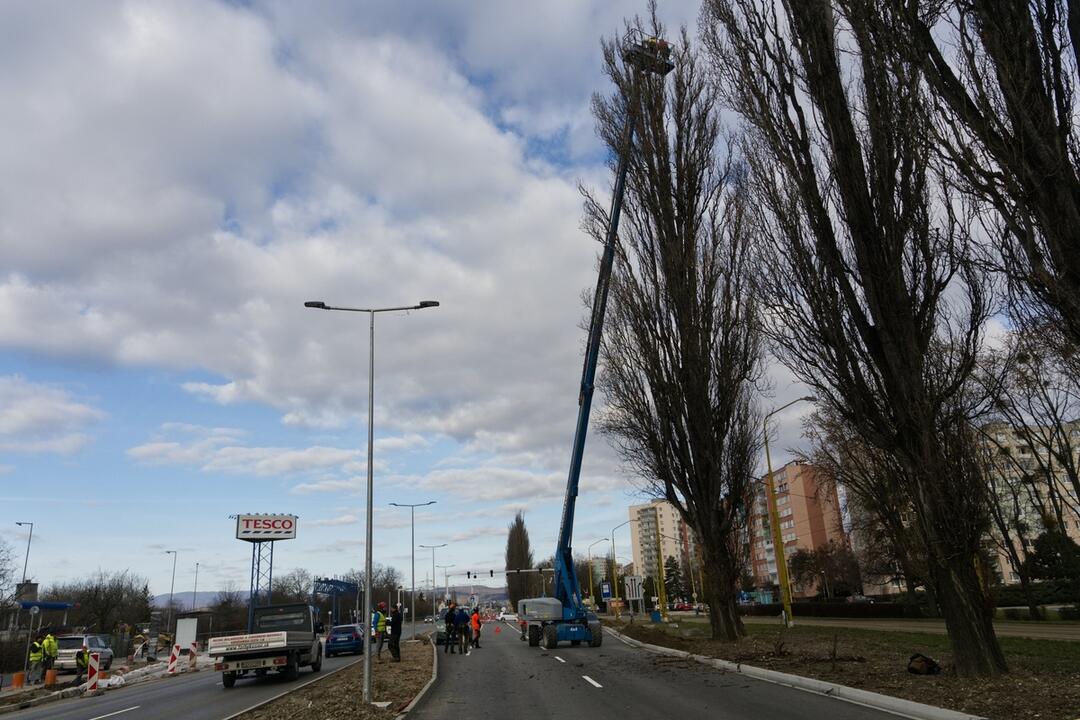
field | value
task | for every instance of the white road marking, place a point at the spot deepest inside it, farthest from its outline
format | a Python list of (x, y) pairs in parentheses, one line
[(99, 717), (591, 681), (559, 659)]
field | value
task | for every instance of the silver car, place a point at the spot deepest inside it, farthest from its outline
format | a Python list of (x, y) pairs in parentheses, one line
[(69, 645)]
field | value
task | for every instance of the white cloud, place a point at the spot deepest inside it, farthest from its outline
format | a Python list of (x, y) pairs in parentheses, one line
[(333, 522), (39, 418)]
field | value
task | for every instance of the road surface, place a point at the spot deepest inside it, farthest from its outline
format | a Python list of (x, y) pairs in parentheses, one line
[(506, 678), (194, 696)]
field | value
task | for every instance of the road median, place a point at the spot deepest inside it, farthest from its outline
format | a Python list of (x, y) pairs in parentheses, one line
[(338, 695)]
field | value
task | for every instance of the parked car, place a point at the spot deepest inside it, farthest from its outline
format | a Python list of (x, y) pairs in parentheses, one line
[(69, 645), (440, 628), (682, 606), (429, 619), (345, 639)]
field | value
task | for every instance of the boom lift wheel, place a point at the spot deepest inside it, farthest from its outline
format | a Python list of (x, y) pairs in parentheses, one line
[(551, 637), (534, 636)]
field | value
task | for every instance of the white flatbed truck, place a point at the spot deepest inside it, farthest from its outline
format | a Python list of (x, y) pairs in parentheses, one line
[(290, 638)]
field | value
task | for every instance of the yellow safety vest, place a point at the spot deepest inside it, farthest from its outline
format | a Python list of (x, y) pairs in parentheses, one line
[(50, 647), (380, 622), (35, 652), (82, 659)]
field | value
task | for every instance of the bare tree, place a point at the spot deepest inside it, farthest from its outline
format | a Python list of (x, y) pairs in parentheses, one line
[(682, 352), (519, 556), (1005, 81), (876, 496), (871, 295), (294, 586)]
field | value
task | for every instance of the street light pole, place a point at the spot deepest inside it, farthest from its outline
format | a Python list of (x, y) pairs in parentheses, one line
[(615, 562), (172, 584), (434, 576), (195, 592), (446, 578), (320, 305), (591, 586), (412, 524), (29, 538), (774, 516)]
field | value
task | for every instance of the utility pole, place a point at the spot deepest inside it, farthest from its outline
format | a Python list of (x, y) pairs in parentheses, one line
[(195, 592), (434, 575), (172, 585)]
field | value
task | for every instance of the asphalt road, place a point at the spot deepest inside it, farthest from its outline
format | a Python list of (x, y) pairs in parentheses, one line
[(195, 696), (506, 678)]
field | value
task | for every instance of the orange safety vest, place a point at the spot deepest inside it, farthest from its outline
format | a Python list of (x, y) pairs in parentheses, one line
[(476, 622)]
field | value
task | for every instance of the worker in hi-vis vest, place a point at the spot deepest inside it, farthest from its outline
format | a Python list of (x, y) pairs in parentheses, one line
[(36, 656)]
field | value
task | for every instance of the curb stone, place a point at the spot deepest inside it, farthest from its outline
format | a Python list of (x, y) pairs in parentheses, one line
[(877, 701), (434, 674)]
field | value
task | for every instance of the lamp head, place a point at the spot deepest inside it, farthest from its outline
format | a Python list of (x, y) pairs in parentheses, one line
[(317, 304), (428, 303)]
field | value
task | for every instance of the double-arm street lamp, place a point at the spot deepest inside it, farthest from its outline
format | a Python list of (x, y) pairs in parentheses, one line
[(434, 577), (320, 305), (412, 523), (774, 516)]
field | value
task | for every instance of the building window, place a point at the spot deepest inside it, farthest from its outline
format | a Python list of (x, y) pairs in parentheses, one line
[(785, 512)]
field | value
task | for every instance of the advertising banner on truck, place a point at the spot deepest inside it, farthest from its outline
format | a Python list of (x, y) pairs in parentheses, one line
[(257, 528)]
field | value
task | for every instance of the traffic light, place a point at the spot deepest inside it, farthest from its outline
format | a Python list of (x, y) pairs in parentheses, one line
[(492, 573), (468, 574)]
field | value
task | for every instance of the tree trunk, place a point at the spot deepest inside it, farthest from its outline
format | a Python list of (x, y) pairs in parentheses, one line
[(721, 589), (968, 617)]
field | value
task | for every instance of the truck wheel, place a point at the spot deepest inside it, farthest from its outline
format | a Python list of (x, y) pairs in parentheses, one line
[(551, 636), (228, 679), (534, 636), (292, 669), (316, 665)]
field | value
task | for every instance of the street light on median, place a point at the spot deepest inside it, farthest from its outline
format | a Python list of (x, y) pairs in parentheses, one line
[(412, 523), (320, 305), (774, 516), (434, 577), (591, 586)]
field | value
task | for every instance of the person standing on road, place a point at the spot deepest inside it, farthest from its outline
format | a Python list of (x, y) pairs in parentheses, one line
[(395, 633), (36, 657), (50, 649), (378, 621), (451, 629), (475, 623), (464, 632)]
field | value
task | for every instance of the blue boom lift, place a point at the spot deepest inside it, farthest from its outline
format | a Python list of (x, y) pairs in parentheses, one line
[(564, 616)]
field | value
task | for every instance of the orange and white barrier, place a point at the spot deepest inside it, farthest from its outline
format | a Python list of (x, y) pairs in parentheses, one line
[(93, 670), (193, 656), (173, 657)]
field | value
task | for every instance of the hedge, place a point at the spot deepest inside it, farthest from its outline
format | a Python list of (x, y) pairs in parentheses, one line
[(838, 610)]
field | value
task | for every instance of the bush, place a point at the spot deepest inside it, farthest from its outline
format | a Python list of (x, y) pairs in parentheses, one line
[(1046, 593), (1069, 613), (838, 610)]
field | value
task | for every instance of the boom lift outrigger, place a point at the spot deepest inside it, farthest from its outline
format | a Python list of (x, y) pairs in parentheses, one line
[(564, 616)]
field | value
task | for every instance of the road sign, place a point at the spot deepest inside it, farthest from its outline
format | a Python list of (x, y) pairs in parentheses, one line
[(634, 584), (605, 590)]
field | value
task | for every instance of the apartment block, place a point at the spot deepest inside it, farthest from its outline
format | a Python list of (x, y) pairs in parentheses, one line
[(676, 538), (810, 517)]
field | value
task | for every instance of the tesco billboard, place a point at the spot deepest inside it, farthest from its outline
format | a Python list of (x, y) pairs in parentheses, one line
[(265, 527)]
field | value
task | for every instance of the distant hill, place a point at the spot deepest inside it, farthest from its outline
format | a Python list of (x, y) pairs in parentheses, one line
[(183, 599), (206, 597)]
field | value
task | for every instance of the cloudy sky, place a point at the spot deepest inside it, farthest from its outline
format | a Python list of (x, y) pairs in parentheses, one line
[(179, 177)]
